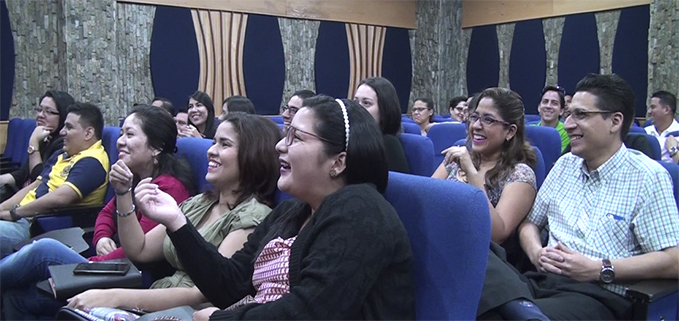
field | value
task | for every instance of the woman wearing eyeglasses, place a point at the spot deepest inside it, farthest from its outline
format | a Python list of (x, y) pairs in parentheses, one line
[(499, 161), (423, 113), (457, 106), (338, 251), (44, 141)]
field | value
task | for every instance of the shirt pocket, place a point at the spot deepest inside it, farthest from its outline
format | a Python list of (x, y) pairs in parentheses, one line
[(615, 235)]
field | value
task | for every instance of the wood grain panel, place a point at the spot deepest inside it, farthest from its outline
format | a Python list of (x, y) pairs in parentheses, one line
[(220, 36), (366, 45), (3, 134), (392, 13), (486, 12)]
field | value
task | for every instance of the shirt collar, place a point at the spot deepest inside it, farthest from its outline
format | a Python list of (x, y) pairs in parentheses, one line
[(96, 145), (608, 168)]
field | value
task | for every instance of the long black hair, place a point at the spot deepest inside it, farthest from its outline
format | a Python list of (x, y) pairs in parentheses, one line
[(210, 122)]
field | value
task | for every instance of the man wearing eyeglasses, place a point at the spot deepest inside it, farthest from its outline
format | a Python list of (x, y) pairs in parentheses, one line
[(612, 221), (662, 109), (289, 110), (77, 174), (550, 107)]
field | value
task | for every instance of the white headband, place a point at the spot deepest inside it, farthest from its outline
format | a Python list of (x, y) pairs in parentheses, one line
[(346, 123)]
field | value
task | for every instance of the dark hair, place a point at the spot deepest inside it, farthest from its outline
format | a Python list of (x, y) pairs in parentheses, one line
[(456, 100), (613, 94), (516, 150), (210, 123), (303, 94), (666, 98), (239, 104), (166, 104), (258, 163), (90, 115), (429, 103), (559, 90), (366, 160), (62, 100), (389, 106), (181, 109), (161, 135)]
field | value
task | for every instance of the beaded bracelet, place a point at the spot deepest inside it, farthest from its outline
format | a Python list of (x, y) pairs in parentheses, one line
[(126, 214)]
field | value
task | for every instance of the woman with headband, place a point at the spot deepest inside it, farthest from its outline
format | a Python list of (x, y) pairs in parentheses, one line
[(337, 251)]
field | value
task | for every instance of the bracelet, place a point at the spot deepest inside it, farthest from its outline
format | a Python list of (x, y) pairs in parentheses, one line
[(126, 214), (123, 192)]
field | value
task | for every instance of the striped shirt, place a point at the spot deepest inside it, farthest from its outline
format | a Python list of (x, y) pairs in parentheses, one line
[(623, 208), (271, 277)]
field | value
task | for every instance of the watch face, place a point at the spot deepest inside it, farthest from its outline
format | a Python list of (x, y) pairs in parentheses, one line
[(607, 276)]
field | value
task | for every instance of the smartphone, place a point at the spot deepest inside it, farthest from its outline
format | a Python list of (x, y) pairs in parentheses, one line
[(98, 268)]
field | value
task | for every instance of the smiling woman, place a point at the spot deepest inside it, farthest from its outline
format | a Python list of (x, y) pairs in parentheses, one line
[(201, 115)]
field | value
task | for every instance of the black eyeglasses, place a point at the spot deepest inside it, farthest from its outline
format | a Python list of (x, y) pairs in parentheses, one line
[(45, 111), (580, 114), (293, 110), (290, 135), (486, 120)]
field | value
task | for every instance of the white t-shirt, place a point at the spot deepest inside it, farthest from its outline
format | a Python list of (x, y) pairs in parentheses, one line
[(651, 130)]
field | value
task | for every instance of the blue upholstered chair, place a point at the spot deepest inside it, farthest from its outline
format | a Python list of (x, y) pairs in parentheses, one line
[(443, 136), (548, 140), (448, 225), (531, 118), (653, 142), (194, 150), (405, 118), (411, 128), (637, 129), (276, 119), (419, 152), (13, 131)]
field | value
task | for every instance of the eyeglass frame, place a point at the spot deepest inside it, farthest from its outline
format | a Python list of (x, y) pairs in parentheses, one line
[(290, 135), (584, 114), (489, 120), (293, 110), (38, 110)]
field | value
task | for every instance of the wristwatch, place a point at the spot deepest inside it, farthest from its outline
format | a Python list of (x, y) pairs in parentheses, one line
[(31, 149), (673, 151), (607, 274)]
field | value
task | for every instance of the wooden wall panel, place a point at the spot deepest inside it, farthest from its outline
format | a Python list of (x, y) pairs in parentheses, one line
[(486, 12), (220, 37), (392, 13), (366, 45)]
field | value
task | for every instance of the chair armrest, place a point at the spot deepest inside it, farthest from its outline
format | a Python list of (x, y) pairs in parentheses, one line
[(82, 216), (651, 290)]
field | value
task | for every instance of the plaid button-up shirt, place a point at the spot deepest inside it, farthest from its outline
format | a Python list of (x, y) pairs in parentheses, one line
[(623, 208)]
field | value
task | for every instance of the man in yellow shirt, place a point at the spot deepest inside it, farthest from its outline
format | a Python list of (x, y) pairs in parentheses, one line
[(76, 175)]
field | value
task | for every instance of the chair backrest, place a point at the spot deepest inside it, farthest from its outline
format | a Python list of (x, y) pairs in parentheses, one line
[(13, 131), (109, 139), (637, 129), (276, 119), (540, 170), (194, 150), (443, 136), (448, 225), (406, 118), (531, 118), (419, 152), (411, 128), (440, 119), (653, 142), (673, 169), (25, 130), (548, 140)]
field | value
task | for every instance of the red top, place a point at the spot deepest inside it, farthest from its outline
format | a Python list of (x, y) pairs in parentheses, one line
[(106, 225)]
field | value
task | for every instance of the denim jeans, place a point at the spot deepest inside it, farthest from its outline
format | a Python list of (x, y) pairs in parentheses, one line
[(20, 272), (12, 233)]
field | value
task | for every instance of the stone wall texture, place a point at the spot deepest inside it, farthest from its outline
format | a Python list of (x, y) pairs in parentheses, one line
[(607, 26), (663, 47), (505, 35), (439, 49), (552, 28), (299, 47)]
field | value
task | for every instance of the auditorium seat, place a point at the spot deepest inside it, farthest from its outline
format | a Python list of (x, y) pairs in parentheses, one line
[(548, 140), (653, 142), (443, 136), (411, 128), (194, 150), (448, 225), (419, 152)]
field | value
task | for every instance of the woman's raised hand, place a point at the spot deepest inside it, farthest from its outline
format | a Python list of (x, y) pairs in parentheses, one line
[(39, 134), (460, 155), (158, 205), (120, 177)]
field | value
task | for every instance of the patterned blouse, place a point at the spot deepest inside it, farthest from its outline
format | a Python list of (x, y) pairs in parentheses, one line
[(521, 173)]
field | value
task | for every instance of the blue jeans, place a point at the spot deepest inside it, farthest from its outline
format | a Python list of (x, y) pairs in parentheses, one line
[(20, 272), (12, 233)]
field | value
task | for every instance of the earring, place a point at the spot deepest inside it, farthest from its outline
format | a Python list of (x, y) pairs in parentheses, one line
[(333, 173)]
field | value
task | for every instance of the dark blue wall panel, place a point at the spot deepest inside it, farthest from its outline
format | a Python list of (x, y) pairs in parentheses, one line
[(7, 62), (175, 64), (264, 63), (483, 62), (527, 63), (579, 50), (630, 53), (397, 63), (332, 60)]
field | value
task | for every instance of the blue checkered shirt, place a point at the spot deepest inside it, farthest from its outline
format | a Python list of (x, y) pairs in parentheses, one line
[(623, 208)]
